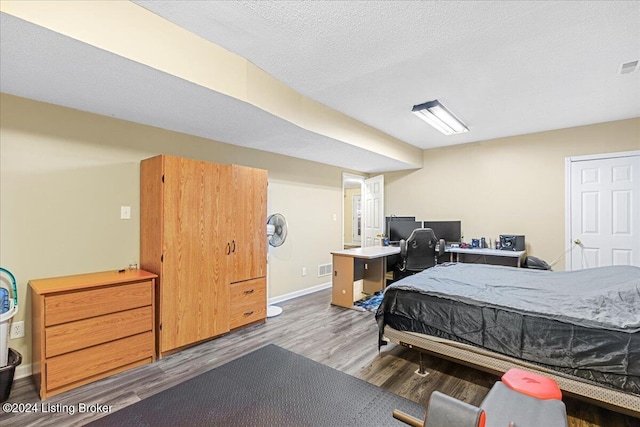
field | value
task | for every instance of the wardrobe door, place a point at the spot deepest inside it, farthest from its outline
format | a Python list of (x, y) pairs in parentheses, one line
[(249, 240), (194, 288)]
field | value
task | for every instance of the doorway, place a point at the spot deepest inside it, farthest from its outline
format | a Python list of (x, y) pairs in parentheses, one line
[(352, 217), (362, 210)]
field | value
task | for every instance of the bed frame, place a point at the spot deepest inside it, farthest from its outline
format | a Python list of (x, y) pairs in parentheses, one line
[(498, 364)]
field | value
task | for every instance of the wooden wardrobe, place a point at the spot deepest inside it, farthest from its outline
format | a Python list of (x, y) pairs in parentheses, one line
[(203, 232)]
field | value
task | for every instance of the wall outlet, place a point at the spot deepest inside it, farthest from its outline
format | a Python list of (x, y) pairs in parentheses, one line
[(304, 271), (125, 212), (17, 330)]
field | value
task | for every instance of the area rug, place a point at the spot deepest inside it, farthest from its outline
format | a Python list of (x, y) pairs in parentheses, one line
[(268, 387)]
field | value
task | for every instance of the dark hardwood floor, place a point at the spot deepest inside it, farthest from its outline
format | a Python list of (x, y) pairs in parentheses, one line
[(343, 339)]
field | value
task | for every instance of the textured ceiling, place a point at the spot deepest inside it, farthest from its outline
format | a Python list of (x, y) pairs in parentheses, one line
[(505, 68)]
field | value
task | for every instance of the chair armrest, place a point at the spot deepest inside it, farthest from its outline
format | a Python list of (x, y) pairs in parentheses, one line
[(403, 249)]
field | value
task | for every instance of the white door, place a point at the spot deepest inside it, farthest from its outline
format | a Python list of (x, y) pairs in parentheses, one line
[(604, 210), (373, 210)]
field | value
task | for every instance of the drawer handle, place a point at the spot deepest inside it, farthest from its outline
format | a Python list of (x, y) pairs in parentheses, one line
[(250, 291), (248, 313), (234, 246), (228, 248)]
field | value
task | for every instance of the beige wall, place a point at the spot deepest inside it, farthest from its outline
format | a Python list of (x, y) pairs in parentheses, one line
[(65, 174), (510, 185)]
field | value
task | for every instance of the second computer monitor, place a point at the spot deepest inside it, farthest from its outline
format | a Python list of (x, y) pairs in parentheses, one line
[(450, 231)]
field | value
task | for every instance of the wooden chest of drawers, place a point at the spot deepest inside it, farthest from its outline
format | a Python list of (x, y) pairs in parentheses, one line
[(89, 326), (248, 302)]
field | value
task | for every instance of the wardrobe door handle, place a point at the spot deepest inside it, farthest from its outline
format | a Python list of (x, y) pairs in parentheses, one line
[(234, 246), (228, 248)]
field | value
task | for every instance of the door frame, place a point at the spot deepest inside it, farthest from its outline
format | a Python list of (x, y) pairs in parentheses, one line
[(569, 244)]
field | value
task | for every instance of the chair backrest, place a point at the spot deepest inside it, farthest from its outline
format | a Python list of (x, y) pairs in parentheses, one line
[(419, 250)]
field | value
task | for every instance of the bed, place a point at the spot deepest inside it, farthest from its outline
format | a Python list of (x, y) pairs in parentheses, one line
[(582, 327)]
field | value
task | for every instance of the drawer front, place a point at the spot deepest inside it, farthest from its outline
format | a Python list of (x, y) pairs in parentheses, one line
[(79, 305), (248, 302), (80, 334), (93, 361)]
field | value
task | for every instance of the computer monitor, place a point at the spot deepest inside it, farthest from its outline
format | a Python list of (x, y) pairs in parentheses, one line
[(450, 231), (396, 218), (400, 228)]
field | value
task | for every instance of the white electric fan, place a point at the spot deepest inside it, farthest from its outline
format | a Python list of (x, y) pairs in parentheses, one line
[(277, 233)]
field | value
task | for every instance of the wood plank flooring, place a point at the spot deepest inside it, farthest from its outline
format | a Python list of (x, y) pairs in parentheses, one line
[(343, 339)]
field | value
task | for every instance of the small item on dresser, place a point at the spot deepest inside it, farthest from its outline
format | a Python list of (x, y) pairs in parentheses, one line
[(483, 242), (475, 243), (497, 243)]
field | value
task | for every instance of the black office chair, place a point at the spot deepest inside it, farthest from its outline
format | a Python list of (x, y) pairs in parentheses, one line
[(420, 251)]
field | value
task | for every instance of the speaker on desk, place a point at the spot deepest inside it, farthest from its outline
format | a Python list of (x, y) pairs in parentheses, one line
[(510, 242)]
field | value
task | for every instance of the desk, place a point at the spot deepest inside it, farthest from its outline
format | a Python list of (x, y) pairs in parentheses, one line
[(519, 255), (352, 265)]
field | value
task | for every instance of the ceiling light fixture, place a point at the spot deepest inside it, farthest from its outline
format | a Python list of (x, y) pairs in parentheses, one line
[(434, 113)]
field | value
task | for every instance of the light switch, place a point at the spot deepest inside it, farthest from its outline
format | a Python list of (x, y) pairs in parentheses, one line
[(125, 212)]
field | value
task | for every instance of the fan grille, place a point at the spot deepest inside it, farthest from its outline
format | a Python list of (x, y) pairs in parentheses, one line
[(279, 224)]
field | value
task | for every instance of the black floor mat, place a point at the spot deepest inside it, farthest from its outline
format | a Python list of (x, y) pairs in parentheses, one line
[(268, 387)]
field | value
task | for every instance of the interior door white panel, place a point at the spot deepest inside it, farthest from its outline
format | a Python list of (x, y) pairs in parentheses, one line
[(604, 210), (373, 210)]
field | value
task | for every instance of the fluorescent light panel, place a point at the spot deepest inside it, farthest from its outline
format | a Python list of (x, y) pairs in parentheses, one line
[(434, 113)]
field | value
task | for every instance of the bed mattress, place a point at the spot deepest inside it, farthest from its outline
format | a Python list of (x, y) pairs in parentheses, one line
[(586, 325)]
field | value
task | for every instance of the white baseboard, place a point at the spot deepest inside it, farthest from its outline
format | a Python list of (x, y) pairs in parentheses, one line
[(22, 371), (299, 293)]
